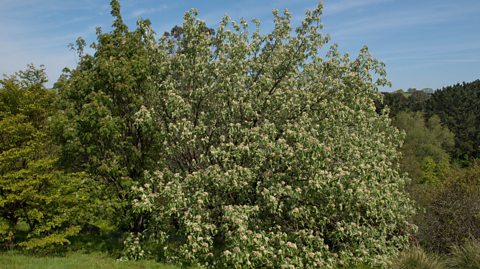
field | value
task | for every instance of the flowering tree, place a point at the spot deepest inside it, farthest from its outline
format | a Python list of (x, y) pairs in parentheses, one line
[(266, 150), (273, 153)]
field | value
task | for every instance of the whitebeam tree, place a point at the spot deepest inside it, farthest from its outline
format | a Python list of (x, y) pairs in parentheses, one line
[(273, 153), (270, 152)]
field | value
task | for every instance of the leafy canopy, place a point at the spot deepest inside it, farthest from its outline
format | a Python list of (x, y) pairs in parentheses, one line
[(51, 204), (426, 146), (232, 148)]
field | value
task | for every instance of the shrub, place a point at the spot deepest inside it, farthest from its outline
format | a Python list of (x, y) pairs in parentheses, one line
[(453, 213)]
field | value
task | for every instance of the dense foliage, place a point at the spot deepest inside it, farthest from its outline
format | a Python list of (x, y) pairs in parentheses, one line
[(453, 215), (230, 148), (103, 102), (458, 107), (50, 204), (445, 190), (426, 145), (239, 149)]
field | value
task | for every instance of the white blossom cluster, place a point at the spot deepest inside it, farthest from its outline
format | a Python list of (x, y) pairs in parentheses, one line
[(272, 153), (142, 117), (134, 250)]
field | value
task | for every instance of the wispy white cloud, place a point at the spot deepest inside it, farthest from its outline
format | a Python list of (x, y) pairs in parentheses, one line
[(393, 19), (338, 6), (143, 11)]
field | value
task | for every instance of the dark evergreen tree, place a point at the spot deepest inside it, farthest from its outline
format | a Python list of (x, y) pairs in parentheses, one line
[(458, 107)]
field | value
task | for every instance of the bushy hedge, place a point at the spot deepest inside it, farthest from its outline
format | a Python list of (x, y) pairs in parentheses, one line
[(453, 213)]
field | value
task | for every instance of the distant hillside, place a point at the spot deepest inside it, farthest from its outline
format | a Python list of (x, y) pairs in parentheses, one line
[(458, 107)]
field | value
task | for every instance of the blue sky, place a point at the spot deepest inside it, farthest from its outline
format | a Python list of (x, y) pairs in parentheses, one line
[(424, 43)]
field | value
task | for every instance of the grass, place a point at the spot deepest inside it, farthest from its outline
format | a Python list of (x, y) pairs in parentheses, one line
[(466, 256), (416, 258), (13, 260)]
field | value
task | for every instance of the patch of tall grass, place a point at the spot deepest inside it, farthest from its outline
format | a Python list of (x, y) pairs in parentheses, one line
[(417, 258), (466, 256)]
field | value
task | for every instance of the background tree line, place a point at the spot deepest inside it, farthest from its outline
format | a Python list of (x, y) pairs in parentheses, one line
[(440, 153), (457, 107)]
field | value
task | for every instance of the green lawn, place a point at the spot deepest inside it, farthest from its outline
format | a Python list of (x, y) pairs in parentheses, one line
[(13, 260), (73, 261)]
